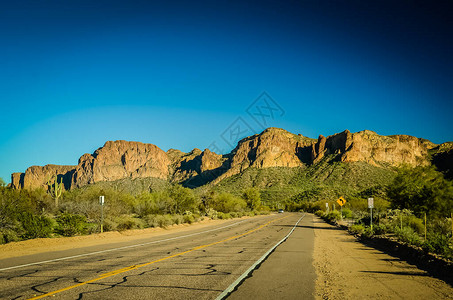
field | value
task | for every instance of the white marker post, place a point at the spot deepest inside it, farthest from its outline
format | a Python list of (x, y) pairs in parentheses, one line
[(327, 207), (370, 206), (101, 202)]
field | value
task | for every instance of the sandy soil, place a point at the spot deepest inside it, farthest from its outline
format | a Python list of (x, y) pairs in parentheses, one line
[(35, 246), (346, 269)]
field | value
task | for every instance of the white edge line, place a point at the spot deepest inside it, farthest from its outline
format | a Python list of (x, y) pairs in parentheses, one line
[(120, 248), (252, 268)]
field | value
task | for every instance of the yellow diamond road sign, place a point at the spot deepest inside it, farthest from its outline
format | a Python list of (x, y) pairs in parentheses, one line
[(341, 201)]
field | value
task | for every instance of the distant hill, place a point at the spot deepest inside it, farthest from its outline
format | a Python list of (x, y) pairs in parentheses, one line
[(277, 161)]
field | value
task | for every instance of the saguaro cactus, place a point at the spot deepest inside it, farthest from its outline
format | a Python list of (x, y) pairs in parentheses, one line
[(54, 188)]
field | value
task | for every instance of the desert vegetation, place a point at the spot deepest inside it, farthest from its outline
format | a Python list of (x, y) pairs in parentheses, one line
[(26, 214), (415, 208)]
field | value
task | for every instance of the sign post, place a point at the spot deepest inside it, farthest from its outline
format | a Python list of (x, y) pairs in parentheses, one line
[(341, 201), (370, 206), (101, 202)]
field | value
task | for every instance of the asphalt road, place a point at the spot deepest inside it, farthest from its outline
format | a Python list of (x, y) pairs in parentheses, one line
[(198, 264)]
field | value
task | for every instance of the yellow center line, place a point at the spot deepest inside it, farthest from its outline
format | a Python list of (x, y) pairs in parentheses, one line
[(134, 267)]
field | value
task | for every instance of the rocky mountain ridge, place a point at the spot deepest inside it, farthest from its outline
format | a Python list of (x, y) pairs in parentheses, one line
[(273, 147)]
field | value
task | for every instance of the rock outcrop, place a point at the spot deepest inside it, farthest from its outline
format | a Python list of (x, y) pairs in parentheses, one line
[(121, 159), (37, 176), (273, 147), (378, 150)]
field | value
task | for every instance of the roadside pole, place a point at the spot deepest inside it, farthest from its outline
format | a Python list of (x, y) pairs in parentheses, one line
[(341, 201), (370, 206), (101, 202), (425, 226)]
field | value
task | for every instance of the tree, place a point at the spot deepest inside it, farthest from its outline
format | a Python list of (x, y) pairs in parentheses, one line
[(253, 198), (183, 199), (422, 190), (2, 182)]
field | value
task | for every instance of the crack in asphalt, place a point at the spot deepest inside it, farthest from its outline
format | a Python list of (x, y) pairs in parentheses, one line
[(35, 287), (108, 286)]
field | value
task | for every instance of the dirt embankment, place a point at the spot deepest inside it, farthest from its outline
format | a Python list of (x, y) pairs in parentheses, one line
[(347, 269)]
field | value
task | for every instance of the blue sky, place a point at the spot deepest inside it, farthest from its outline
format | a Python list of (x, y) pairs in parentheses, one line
[(179, 74)]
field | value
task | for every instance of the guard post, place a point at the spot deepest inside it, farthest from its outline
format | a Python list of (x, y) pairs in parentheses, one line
[(101, 202)]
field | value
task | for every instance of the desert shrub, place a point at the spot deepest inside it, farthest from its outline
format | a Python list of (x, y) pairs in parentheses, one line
[(265, 210), (178, 219), (211, 213), (36, 226), (70, 225), (382, 228), (223, 216), (151, 221), (356, 229), (368, 232), (250, 213), (110, 225), (146, 204), (234, 214), (189, 219), (319, 213), (440, 244), (415, 223), (127, 222), (8, 235), (333, 216), (407, 235), (164, 220), (347, 213)]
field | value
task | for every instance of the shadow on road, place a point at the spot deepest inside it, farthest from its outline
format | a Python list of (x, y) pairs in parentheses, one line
[(397, 273)]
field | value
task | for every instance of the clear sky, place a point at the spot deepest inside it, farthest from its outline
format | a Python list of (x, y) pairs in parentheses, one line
[(184, 74)]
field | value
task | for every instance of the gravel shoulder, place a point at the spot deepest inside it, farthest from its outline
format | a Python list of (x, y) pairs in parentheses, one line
[(347, 269)]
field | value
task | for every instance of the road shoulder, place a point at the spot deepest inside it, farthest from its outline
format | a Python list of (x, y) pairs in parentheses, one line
[(347, 269), (288, 272)]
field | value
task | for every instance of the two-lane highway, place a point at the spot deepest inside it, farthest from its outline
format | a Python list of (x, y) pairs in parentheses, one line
[(197, 264)]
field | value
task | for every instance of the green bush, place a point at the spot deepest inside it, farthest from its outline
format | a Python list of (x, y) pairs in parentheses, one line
[(415, 223), (356, 229), (70, 225), (347, 213), (226, 203), (127, 222), (211, 213), (164, 220), (382, 228), (178, 219), (223, 216), (110, 225), (407, 235), (36, 226), (440, 244), (333, 216), (319, 213), (368, 232), (151, 221), (189, 219), (8, 236)]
